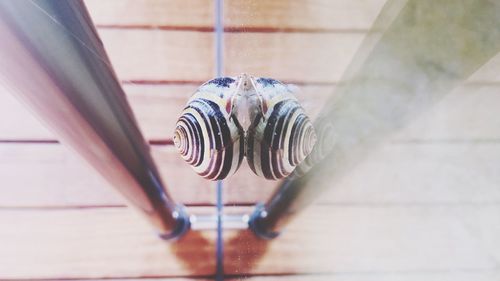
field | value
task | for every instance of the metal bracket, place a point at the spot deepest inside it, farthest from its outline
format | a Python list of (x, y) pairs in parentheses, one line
[(183, 224), (260, 213), (209, 222)]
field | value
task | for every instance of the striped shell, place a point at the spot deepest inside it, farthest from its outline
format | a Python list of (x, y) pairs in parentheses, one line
[(206, 135), (281, 135), (327, 137), (210, 138)]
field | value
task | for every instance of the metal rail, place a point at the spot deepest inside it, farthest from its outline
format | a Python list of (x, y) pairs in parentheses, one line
[(52, 58)]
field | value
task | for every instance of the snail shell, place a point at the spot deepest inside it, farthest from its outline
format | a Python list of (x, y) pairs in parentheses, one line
[(326, 139), (210, 138), (208, 134), (281, 135)]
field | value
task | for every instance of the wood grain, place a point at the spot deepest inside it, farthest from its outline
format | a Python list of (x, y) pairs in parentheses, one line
[(160, 55), (51, 176), (189, 56), (422, 173), (41, 175), (291, 56), (156, 107), (313, 15), (468, 113), (308, 15), (151, 13), (373, 240), (96, 243), (479, 275), (342, 240)]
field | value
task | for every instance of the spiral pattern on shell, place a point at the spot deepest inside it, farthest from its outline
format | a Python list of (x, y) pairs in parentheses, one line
[(279, 141), (326, 139), (209, 139), (277, 137)]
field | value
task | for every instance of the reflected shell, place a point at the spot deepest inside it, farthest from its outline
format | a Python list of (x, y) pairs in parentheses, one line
[(279, 142)]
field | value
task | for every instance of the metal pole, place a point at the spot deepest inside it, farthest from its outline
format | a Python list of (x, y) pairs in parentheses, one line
[(52, 58), (423, 49)]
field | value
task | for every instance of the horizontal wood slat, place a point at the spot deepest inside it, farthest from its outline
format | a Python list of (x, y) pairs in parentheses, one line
[(427, 173), (181, 56), (51, 175), (309, 15), (445, 275), (41, 175), (476, 275), (160, 55), (96, 243), (156, 108), (371, 241), (189, 56), (151, 13), (322, 15), (468, 113), (291, 56)]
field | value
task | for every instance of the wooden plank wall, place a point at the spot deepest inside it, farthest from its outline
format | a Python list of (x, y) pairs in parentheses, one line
[(424, 206)]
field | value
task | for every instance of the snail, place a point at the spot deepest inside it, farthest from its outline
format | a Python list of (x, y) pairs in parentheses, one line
[(228, 118), (208, 135)]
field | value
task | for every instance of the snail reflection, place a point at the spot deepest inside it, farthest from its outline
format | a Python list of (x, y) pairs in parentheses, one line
[(228, 118)]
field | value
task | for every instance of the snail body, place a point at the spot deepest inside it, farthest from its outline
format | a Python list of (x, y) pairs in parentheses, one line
[(276, 135)]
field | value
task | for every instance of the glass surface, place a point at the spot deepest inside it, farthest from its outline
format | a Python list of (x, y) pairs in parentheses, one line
[(402, 183)]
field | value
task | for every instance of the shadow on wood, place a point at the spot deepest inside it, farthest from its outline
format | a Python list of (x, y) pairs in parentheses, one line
[(197, 253), (243, 252)]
